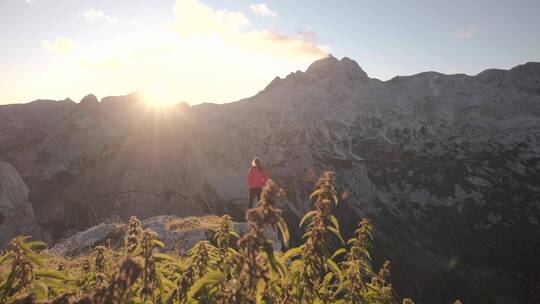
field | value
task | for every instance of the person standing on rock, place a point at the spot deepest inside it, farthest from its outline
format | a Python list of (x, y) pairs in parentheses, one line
[(257, 178)]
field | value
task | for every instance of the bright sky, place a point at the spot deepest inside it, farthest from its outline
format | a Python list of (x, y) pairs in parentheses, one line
[(222, 51)]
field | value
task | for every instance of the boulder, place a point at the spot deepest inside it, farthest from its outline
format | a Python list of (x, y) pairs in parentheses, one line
[(178, 234), (86, 239)]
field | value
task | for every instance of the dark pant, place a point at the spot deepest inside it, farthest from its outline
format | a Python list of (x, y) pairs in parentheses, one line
[(254, 195)]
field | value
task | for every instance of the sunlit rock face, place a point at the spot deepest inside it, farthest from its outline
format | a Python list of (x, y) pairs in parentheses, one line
[(446, 166)]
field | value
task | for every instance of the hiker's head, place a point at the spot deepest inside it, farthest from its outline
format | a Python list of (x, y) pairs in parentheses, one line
[(256, 162)]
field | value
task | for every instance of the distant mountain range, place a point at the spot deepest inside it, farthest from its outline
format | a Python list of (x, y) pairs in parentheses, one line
[(446, 166)]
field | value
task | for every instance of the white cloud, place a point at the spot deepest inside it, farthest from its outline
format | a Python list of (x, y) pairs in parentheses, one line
[(262, 10), (61, 45), (135, 22), (93, 15), (209, 55), (194, 18), (29, 2), (466, 33)]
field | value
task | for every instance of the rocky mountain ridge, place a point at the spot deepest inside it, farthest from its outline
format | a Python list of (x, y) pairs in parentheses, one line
[(447, 166)]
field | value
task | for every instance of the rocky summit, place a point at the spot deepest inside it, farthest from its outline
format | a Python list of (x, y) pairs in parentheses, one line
[(446, 166)]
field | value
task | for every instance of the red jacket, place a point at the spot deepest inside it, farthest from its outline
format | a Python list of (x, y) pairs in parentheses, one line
[(256, 178)]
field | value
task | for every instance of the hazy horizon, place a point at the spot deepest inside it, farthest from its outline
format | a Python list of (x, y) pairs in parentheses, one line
[(225, 101)]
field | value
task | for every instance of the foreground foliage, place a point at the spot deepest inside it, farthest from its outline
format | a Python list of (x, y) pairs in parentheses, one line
[(232, 269)]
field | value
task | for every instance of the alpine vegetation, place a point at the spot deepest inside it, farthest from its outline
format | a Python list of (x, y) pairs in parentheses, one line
[(232, 269)]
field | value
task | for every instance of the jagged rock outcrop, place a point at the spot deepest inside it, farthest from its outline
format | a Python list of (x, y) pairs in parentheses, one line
[(446, 166), (16, 213), (178, 234), (87, 239)]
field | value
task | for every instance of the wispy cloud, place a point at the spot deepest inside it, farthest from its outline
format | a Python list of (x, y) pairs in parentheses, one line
[(209, 55), (93, 15), (29, 2), (308, 34), (60, 46), (466, 33), (194, 18), (262, 10)]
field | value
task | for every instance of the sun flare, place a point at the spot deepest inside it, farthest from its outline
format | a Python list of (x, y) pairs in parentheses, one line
[(158, 95)]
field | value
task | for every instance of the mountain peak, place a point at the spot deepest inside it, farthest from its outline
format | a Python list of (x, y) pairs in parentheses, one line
[(331, 65), (89, 99), (330, 68), (323, 63), (530, 69)]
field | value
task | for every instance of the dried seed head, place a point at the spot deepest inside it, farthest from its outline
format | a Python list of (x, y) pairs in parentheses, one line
[(249, 267), (133, 236)]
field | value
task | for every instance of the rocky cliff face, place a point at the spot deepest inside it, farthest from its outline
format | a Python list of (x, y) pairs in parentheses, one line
[(447, 166), (16, 213)]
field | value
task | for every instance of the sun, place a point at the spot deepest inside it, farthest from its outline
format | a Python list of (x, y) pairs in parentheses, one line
[(158, 95)]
